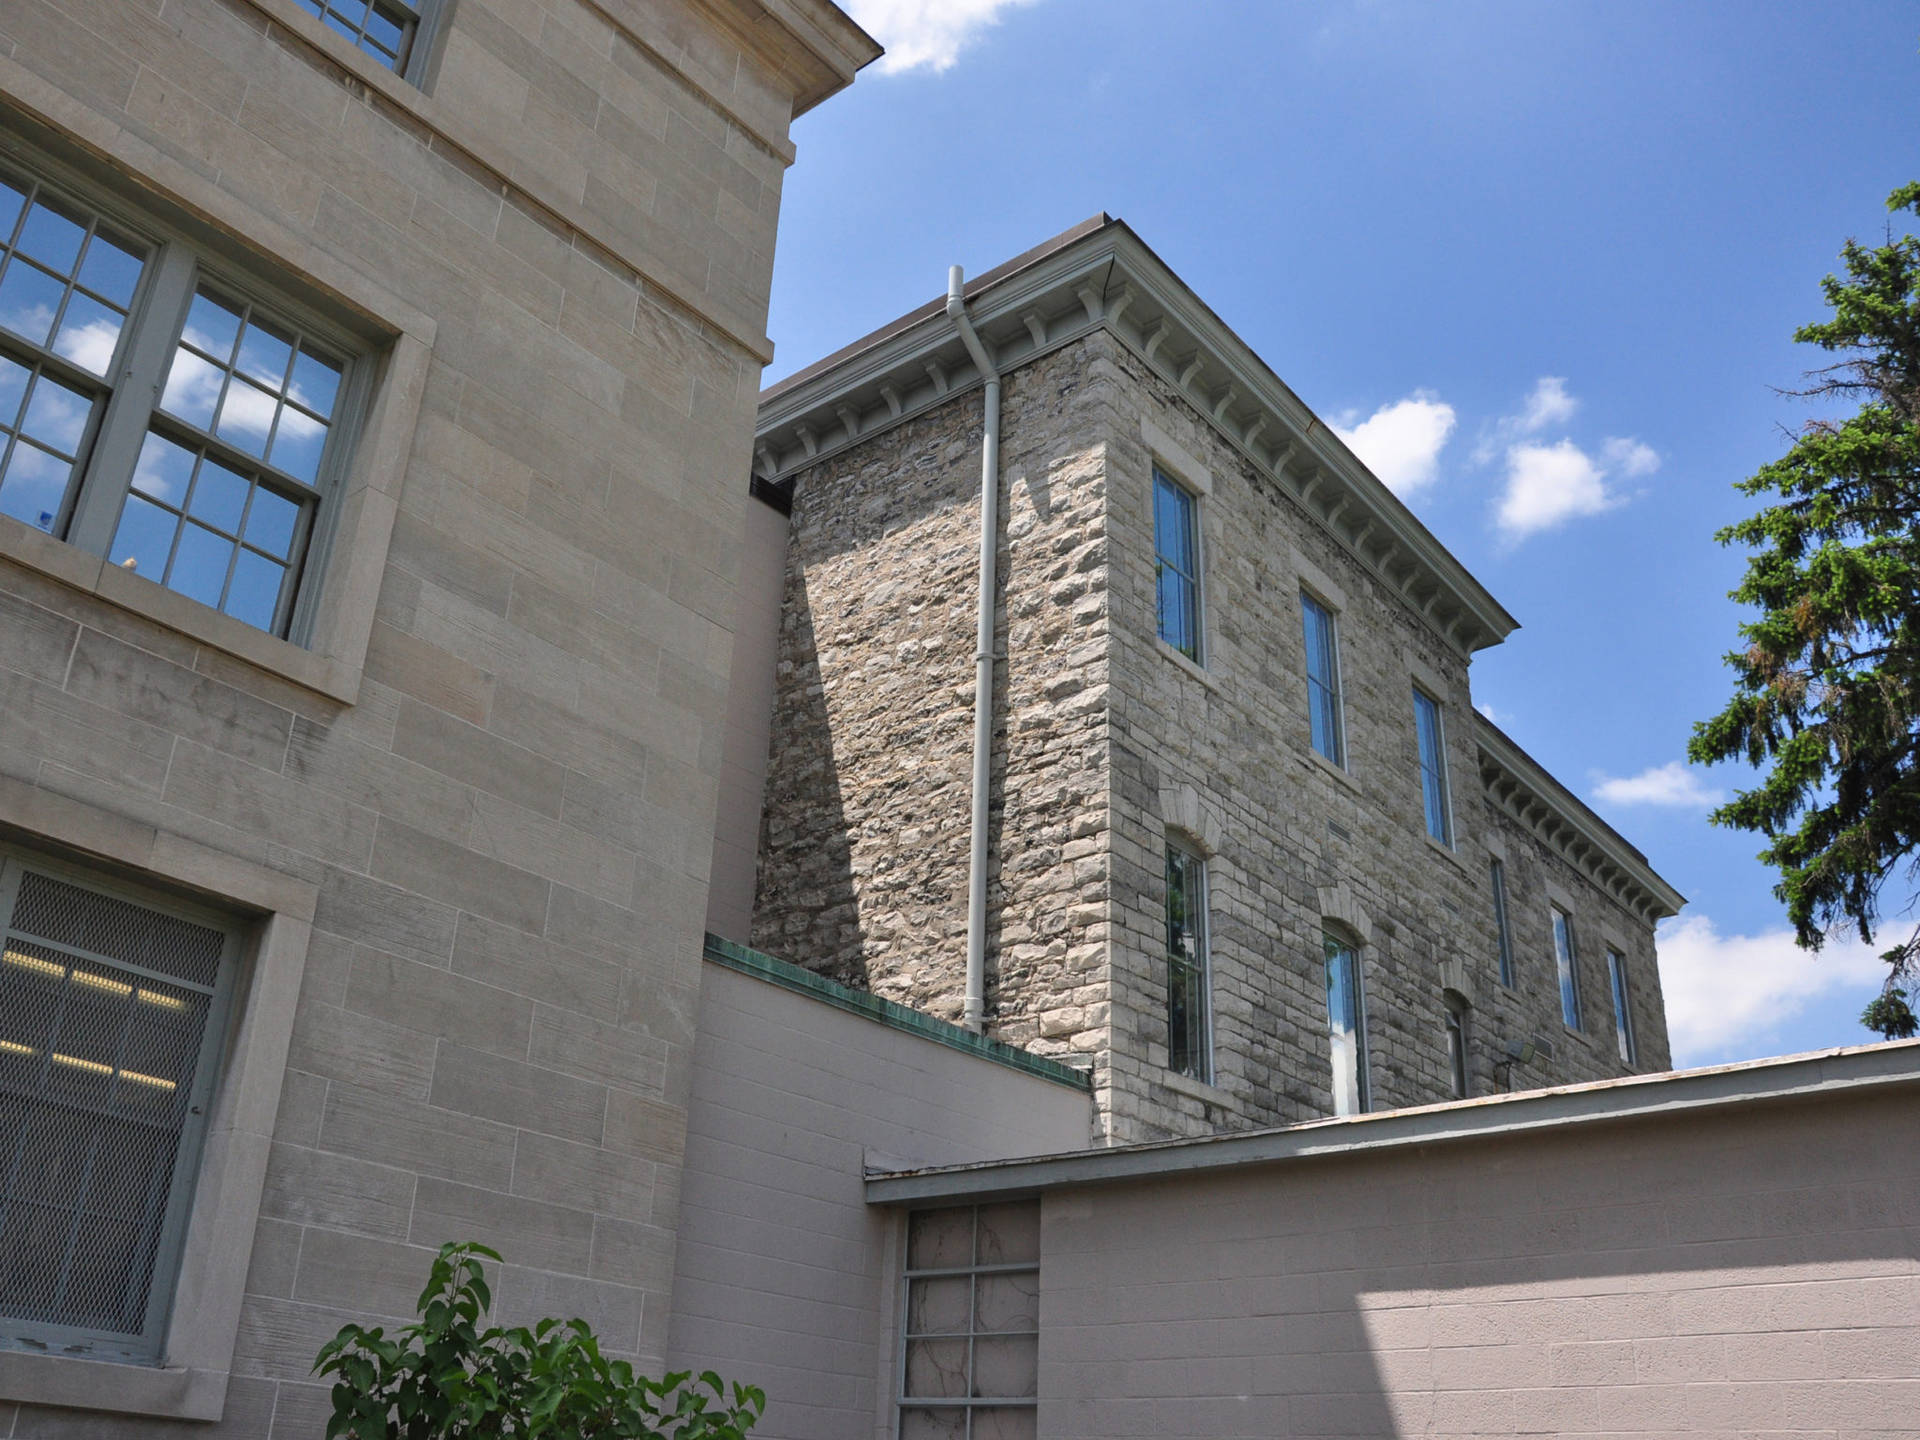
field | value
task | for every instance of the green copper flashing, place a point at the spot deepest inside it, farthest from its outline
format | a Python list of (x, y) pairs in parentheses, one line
[(898, 1017)]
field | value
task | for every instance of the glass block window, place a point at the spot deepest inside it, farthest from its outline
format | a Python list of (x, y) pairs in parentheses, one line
[(1567, 960), (1433, 767), (67, 281), (108, 1007), (1189, 1050), (213, 475), (394, 32), (971, 1349), (1176, 564), (1622, 1007), (1503, 934), (1346, 1027), (1326, 727)]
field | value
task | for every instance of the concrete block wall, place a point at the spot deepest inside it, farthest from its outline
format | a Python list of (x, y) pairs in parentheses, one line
[(784, 1276), (508, 819), (1741, 1273)]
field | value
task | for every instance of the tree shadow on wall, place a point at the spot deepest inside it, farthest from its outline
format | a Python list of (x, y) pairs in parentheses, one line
[(804, 906)]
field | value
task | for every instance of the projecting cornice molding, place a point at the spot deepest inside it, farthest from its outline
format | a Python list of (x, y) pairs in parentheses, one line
[(1517, 783), (1100, 275)]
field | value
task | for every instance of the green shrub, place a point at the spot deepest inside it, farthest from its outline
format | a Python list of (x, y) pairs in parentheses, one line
[(444, 1378)]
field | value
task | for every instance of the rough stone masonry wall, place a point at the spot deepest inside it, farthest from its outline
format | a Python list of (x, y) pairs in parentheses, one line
[(865, 832), (509, 829), (1299, 845)]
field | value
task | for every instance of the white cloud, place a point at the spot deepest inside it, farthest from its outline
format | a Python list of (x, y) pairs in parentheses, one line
[(1549, 404), (1727, 993), (1630, 457), (1487, 710), (1672, 784), (1548, 485), (1401, 442), (927, 34)]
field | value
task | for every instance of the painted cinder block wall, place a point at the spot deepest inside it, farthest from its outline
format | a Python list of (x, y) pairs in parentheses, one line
[(1749, 1271), (1105, 740), (506, 815)]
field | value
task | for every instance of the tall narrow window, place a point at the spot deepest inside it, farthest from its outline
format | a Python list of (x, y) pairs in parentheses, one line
[(1323, 681), (1622, 1008), (110, 1013), (1176, 564), (1188, 1050), (1566, 958), (1346, 1027), (1433, 767), (1502, 933), (971, 1363), (1457, 1044)]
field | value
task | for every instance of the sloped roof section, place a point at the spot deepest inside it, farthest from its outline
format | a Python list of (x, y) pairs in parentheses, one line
[(1099, 274)]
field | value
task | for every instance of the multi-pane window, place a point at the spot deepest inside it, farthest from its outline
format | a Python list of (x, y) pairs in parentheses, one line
[(1566, 958), (970, 1356), (1457, 1068), (109, 1013), (195, 446), (394, 32), (1188, 1049), (1176, 564), (1622, 1007), (1433, 766), (1346, 1027), (1323, 681), (1502, 931)]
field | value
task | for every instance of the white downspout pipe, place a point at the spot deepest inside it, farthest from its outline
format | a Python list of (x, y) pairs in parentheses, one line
[(974, 1017)]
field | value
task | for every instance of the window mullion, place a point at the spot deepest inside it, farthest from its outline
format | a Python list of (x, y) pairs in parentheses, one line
[(136, 392)]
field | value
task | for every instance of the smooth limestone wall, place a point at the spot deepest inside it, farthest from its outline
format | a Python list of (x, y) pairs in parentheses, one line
[(785, 1277), (509, 828), (1106, 742)]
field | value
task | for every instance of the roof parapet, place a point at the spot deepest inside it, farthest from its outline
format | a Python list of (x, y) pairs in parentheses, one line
[(1100, 275)]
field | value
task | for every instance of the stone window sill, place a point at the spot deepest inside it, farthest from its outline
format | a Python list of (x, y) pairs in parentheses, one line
[(1196, 1089), (1198, 672), (1338, 772), (71, 1383), (1449, 851)]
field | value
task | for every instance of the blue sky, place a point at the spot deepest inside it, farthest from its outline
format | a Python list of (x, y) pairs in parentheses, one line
[(1541, 261)]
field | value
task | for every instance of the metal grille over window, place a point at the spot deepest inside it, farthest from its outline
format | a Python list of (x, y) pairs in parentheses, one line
[(1176, 563), (1187, 1047), (970, 1361), (202, 519), (66, 283), (1323, 681), (104, 1009), (385, 29)]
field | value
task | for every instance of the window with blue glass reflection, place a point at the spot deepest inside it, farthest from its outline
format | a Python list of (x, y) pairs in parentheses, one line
[(1433, 767), (215, 488), (1622, 1007), (1566, 958), (1346, 1027), (1176, 563), (1324, 720), (393, 32)]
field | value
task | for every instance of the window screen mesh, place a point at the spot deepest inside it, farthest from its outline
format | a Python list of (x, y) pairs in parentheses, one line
[(103, 1009), (972, 1342)]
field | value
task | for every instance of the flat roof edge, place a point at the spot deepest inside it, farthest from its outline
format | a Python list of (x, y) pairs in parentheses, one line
[(1818, 1074)]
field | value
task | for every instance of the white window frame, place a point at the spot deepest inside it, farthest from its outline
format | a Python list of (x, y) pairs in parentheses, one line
[(398, 336), (1334, 685), (1621, 987), (1362, 1091), (1191, 500), (1201, 998), (422, 24), (187, 1380), (1566, 958), (1437, 771)]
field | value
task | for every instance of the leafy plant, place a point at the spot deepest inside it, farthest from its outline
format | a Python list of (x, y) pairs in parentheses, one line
[(445, 1378), (1889, 1013)]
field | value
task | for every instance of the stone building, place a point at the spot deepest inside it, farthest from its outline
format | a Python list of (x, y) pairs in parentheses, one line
[(373, 381), (1253, 854)]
